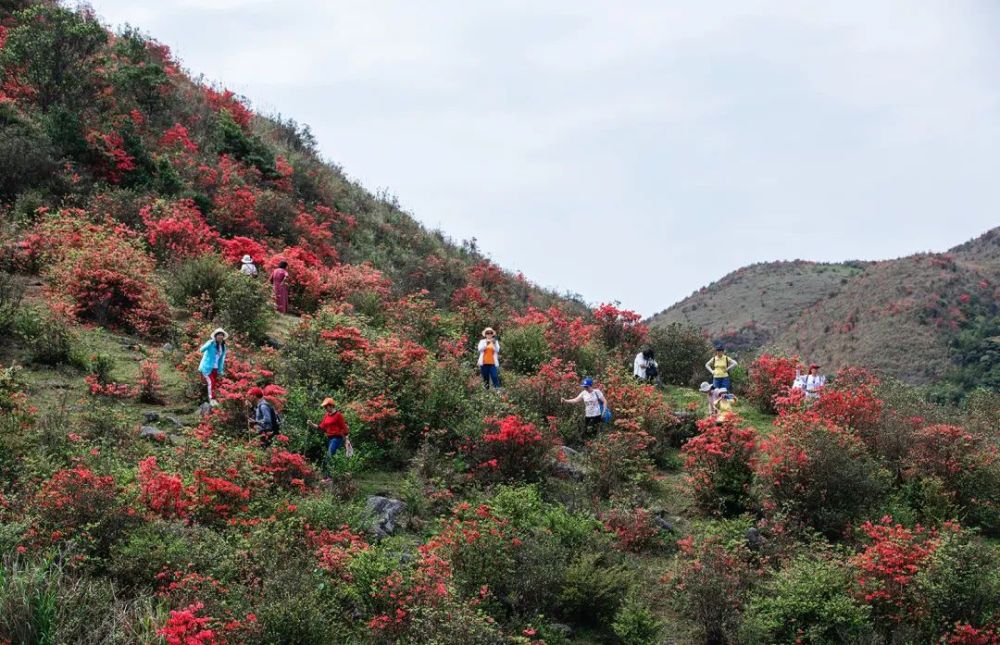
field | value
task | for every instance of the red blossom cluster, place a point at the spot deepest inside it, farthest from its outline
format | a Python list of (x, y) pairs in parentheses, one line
[(621, 329), (718, 463), (72, 499), (227, 101), (771, 377), (634, 528), (162, 493), (509, 449), (176, 230), (335, 549), (888, 565), (109, 147)]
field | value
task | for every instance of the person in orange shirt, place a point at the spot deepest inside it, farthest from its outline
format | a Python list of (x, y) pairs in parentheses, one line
[(489, 359)]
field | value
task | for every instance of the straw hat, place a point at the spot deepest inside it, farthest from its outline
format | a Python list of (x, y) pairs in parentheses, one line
[(222, 331), (488, 330), (247, 259), (705, 386)]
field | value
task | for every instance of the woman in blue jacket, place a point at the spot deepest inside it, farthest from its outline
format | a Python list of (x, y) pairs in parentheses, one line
[(213, 361)]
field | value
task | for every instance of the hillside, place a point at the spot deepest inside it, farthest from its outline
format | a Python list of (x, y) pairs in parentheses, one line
[(901, 317), (163, 484)]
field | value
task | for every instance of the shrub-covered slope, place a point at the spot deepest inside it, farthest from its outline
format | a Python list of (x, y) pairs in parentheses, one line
[(132, 511)]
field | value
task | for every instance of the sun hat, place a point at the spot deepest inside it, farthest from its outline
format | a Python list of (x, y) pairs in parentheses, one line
[(327, 401), (255, 392), (488, 330), (247, 259), (705, 386), (587, 382), (218, 331)]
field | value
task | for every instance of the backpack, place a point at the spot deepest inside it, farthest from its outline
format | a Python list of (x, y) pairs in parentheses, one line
[(276, 420), (652, 371)]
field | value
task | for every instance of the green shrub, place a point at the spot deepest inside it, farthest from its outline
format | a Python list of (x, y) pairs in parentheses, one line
[(681, 352), (959, 583), (26, 156), (809, 601), (635, 624), (245, 306), (11, 292), (593, 589), (525, 348), (200, 279), (50, 339)]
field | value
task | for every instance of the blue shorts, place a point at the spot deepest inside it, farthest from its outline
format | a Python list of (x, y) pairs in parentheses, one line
[(721, 382)]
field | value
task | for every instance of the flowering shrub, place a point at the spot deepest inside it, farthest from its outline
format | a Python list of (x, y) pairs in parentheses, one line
[(334, 550), (639, 407), (618, 462), (288, 470), (307, 277), (74, 499), (634, 528), (509, 449), (888, 565), (186, 627), (817, 474), (149, 389), (718, 465), (541, 392), (234, 249), (621, 330), (770, 377), (177, 230), (162, 493)]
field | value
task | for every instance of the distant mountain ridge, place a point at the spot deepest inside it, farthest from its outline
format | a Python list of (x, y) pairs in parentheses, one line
[(901, 316)]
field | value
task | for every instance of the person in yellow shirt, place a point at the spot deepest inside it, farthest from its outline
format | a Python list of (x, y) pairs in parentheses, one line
[(719, 366), (724, 404)]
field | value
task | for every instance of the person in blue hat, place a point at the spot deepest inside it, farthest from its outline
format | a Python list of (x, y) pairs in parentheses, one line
[(594, 404)]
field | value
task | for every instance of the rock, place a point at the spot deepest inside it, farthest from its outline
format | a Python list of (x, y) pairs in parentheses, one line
[(568, 470), (385, 512), (205, 409), (568, 452), (174, 420), (754, 539), (167, 347), (663, 524), (274, 342), (149, 432), (562, 629), (151, 417), (175, 440)]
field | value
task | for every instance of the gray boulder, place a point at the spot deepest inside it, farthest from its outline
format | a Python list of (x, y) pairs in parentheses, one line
[(175, 421), (167, 347), (205, 409), (151, 417), (385, 512), (151, 433), (566, 465)]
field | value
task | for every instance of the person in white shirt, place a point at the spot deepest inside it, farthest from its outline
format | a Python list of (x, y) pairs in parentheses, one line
[(639, 366), (248, 268), (594, 404), (814, 382)]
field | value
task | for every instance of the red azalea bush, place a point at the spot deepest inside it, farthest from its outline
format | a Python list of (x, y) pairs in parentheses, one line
[(288, 470), (770, 377), (817, 474), (150, 390), (622, 330), (177, 230), (307, 277), (618, 462), (334, 550), (509, 449), (889, 564), (638, 406), (635, 528), (718, 463), (111, 282), (542, 393), (234, 249), (74, 500), (568, 336), (162, 493), (850, 401)]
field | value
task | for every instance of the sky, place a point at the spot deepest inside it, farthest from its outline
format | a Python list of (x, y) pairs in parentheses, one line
[(632, 151)]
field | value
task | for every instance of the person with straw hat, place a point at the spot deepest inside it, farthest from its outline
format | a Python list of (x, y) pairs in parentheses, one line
[(489, 359), (334, 426), (213, 361), (248, 268)]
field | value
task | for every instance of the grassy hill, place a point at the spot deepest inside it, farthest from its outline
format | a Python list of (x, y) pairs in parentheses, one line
[(901, 317), (134, 511)]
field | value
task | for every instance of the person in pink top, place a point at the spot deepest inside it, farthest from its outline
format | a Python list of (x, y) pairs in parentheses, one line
[(279, 280)]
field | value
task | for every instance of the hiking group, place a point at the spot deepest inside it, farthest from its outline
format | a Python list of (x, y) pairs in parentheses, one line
[(278, 279)]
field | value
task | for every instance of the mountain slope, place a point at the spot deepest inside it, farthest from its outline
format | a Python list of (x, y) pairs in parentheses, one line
[(900, 316)]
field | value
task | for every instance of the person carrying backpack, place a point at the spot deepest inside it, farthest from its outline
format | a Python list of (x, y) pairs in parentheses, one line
[(719, 365), (594, 405), (652, 367), (265, 422), (334, 426)]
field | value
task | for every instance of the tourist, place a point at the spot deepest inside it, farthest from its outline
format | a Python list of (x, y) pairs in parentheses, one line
[(719, 366), (489, 359), (279, 281), (213, 362), (594, 405), (334, 426), (248, 268), (265, 419)]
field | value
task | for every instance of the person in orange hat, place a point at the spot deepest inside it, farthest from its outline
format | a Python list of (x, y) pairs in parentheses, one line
[(335, 427)]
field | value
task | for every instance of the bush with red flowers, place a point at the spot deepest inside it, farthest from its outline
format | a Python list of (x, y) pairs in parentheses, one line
[(718, 463), (770, 377), (509, 449)]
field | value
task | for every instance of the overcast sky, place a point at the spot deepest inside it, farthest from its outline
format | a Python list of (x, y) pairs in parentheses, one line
[(632, 151)]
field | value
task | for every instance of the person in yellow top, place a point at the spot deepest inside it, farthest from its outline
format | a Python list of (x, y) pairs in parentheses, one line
[(489, 359), (719, 365), (724, 404)]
